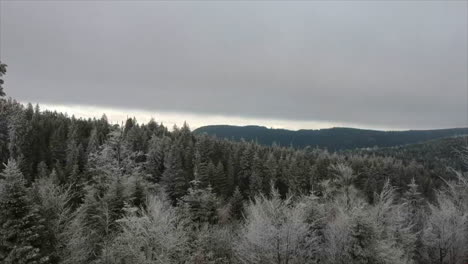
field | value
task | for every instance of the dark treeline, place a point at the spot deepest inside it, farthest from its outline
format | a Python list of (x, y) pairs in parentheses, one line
[(46, 142), (86, 191), (333, 139)]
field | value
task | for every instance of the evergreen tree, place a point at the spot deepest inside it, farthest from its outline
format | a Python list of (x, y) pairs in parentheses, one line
[(200, 205), (53, 203), (202, 160), (220, 184), (22, 232), (138, 197), (155, 157), (2, 72), (174, 178), (275, 232), (237, 204), (245, 170), (93, 142), (256, 178), (42, 170), (152, 235), (363, 241)]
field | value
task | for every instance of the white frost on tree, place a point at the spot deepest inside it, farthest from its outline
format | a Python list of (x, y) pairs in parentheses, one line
[(275, 232)]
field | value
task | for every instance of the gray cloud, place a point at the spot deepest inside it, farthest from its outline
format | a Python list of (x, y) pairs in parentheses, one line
[(383, 63)]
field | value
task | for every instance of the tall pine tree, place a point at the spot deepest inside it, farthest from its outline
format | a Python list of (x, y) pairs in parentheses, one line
[(22, 232)]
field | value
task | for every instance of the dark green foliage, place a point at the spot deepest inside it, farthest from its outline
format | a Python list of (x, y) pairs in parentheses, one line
[(237, 204), (23, 235), (155, 157), (174, 177), (219, 181), (109, 170), (42, 170), (332, 138), (363, 242), (138, 197), (2, 72), (200, 204)]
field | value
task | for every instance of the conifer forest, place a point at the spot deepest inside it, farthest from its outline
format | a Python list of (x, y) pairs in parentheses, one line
[(77, 191)]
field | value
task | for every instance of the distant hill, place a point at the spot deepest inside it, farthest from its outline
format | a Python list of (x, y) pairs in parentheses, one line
[(333, 138), (437, 153)]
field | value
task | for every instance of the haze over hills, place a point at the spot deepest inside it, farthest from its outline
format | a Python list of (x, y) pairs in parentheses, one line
[(338, 138)]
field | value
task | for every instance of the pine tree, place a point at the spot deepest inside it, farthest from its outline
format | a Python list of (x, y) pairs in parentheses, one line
[(220, 185), (275, 231), (22, 232), (151, 235), (155, 158), (93, 142), (58, 146), (42, 170), (200, 205), (237, 204), (2, 72), (203, 151), (245, 170), (256, 178), (53, 204), (174, 177), (115, 198), (138, 196), (363, 242), (414, 204), (90, 233), (271, 172)]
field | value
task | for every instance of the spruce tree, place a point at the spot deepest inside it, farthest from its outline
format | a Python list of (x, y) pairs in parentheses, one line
[(2, 72), (93, 142), (200, 205), (42, 170), (256, 178), (237, 204), (155, 158), (22, 232), (174, 178), (220, 184), (202, 160), (362, 246)]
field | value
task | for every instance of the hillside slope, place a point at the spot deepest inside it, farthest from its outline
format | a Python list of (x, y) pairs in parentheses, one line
[(437, 153), (332, 138)]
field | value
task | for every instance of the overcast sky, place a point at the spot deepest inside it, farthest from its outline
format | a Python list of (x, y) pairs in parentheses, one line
[(308, 64)]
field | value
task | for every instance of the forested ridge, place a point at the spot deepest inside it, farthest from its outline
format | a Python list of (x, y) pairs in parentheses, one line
[(333, 139), (87, 191)]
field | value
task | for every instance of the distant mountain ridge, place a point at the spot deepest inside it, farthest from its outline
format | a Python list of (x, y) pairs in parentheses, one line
[(338, 138)]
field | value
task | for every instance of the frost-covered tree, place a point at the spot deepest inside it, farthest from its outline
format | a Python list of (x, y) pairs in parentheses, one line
[(445, 233), (199, 205), (237, 204), (150, 236), (53, 203), (155, 157), (23, 235), (275, 231), (2, 72), (174, 178)]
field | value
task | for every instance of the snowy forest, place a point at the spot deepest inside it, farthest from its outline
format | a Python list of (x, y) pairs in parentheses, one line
[(79, 191)]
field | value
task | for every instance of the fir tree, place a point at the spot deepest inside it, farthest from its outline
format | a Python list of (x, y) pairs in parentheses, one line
[(2, 72), (200, 204), (42, 170), (174, 178), (237, 204), (22, 232), (155, 158), (220, 185)]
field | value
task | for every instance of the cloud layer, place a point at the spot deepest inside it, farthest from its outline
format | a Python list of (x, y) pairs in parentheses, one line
[(376, 64)]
